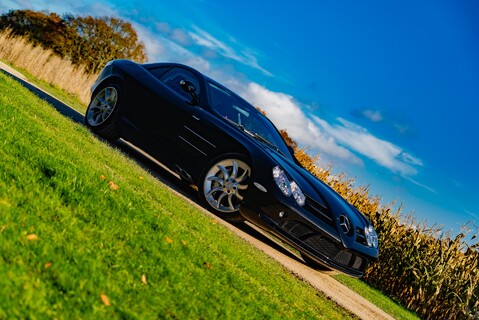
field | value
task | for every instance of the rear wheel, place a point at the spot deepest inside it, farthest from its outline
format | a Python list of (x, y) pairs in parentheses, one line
[(101, 115), (223, 184)]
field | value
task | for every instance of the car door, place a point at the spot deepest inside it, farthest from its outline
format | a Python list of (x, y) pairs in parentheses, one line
[(166, 122)]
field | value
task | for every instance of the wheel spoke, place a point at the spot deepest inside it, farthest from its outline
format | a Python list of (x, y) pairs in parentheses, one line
[(225, 172), (234, 173), (242, 186), (97, 118), (243, 176), (112, 96), (216, 179), (213, 191), (107, 94), (100, 100), (218, 204), (95, 108), (230, 202)]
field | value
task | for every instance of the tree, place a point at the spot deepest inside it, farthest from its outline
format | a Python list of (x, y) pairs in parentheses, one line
[(289, 141), (87, 41), (41, 28), (100, 40)]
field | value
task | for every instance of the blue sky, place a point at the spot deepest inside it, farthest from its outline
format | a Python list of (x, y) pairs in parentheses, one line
[(387, 92)]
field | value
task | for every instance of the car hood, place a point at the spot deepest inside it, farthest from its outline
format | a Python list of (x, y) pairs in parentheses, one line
[(317, 190)]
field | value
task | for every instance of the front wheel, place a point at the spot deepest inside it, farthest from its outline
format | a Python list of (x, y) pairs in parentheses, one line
[(102, 112), (223, 184)]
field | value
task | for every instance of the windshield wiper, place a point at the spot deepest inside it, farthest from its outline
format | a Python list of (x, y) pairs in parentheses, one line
[(260, 138), (256, 136)]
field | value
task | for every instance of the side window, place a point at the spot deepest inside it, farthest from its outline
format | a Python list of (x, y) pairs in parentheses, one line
[(173, 77)]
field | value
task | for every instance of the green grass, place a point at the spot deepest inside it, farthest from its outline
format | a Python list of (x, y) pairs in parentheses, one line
[(69, 239), (377, 298)]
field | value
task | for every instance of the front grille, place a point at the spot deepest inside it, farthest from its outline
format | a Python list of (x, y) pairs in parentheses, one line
[(343, 257), (336, 254), (358, 261), (323, 245), (297, 229)]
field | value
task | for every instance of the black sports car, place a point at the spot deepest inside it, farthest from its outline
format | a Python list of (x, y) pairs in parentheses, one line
[(235, 156)]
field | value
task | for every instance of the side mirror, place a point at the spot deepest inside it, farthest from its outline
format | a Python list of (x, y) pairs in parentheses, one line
[(189, 88)]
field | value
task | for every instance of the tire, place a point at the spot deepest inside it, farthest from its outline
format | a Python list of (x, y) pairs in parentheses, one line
[(223, 184), (101, 114)]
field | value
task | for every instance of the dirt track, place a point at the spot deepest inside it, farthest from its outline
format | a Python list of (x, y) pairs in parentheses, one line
[(322, 281)]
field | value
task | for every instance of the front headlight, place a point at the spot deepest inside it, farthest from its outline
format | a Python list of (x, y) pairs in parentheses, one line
[(288, 187), (297, 194), (371, 236), (282, 181)]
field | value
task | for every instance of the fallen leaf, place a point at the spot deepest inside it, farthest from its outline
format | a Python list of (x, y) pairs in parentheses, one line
[(102, 177), (184, 242), (105, 300), (214, 221), (207, 265), (141, 177), (113, 186), (143, 278), (32, 237), (168, 239), (47, 265)]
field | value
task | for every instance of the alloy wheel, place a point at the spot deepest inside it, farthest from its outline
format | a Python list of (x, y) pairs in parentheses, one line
[(102, 106), (224, 184)]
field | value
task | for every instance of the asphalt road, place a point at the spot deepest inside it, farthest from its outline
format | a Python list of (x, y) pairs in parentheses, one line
[(320, 280)]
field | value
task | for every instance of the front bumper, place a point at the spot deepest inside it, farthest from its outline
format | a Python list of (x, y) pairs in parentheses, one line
[(309, 229)]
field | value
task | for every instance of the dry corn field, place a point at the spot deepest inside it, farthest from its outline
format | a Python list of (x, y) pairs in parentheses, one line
[(45, 65), (431, 274)]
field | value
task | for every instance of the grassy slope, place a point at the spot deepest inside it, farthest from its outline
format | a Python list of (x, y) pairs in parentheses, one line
[(72, 246)]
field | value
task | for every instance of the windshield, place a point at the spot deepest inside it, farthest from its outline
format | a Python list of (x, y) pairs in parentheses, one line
[(235, 109)]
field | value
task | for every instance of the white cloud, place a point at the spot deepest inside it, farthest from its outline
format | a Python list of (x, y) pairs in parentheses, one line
[(421, 185), (246, 57), (285, 112), (373, 115), (160, 48), (153, 47), (382, 152), (180, 36), (337, 141), (472, 214)]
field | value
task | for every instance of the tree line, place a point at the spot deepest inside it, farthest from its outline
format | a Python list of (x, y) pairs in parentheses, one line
[(85, 40)]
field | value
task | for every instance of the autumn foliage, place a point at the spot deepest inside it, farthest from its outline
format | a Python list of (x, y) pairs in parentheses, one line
[(85, 41)]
